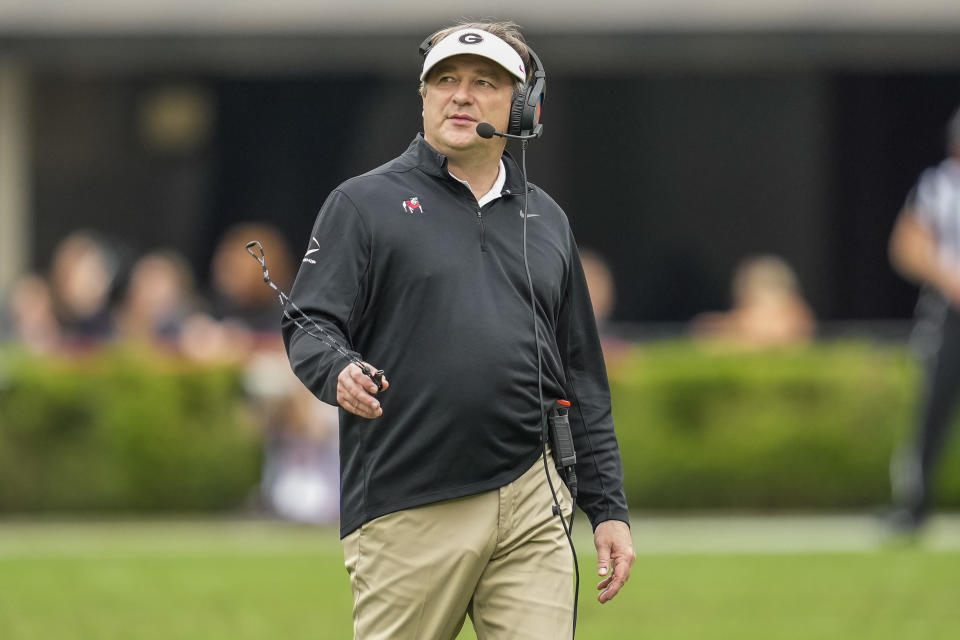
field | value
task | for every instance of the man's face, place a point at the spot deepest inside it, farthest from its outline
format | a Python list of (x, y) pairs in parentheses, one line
[(461, 92)]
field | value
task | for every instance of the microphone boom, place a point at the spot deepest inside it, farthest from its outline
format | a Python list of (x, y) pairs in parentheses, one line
[(486, 130)]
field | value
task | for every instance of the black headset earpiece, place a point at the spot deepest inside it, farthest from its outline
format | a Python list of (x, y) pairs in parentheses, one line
[(527, 103), (425, 46)]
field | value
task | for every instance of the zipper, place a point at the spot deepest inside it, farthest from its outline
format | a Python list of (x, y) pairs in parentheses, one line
[(472, 203), (483, 246)]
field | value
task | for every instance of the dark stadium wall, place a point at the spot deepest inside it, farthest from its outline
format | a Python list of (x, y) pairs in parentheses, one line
[(678, 177), (281, 146)]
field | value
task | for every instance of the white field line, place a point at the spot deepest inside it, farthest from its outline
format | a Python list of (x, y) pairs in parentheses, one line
[(781, 534), (652, 535)]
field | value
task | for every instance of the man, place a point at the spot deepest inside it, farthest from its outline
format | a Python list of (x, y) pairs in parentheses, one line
[(925, 248), (445, 507)]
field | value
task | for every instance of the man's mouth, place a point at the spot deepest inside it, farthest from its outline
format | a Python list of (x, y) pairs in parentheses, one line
[(461, 118)]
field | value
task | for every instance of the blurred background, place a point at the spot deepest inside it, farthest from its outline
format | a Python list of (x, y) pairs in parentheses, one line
[(681, 136), (732, 172)]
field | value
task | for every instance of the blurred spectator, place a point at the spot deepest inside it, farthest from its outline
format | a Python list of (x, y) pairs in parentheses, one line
[(33, 322), (239, 292), (160, 296), (925, 248), (603, 294), (599, 283), (768, 309), (300, 479), (301, 458), (84, 274), (160, 307), (245, 313)]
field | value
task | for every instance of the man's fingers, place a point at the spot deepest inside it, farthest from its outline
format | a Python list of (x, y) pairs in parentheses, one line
[(365, 407), (621, 573), (621, 567), (366, 381), (611, 590), (360, 389), (603, 559), (354, 393), (611, 586), (361, 408)]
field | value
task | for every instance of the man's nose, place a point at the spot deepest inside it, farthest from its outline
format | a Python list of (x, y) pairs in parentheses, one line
[(463, 95)]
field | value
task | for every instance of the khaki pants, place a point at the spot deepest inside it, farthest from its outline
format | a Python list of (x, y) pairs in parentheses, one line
[(500, 556)]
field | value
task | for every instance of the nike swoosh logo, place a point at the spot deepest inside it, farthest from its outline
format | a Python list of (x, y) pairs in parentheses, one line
[(529, 215)]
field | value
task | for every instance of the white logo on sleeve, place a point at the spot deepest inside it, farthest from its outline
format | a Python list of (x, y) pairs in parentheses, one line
[(307, 258)]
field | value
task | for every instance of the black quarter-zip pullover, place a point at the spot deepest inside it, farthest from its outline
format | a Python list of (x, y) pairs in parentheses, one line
[(406, 269)]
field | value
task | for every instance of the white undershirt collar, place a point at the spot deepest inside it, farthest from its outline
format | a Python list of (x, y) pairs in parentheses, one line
[(495, 190)]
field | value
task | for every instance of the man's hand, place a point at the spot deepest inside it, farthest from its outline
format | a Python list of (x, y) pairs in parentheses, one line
[(949, 286), (915, 254), (614, 543), (355, 392)]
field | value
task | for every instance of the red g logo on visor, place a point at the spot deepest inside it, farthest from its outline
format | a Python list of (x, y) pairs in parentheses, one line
[(471, 38)]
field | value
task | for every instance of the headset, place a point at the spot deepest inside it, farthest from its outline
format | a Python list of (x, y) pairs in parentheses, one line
[(527, 102)]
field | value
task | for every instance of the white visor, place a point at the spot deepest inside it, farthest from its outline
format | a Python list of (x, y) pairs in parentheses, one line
[(478, 43)]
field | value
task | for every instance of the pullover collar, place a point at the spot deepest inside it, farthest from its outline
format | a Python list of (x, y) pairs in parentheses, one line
[(434, 163)]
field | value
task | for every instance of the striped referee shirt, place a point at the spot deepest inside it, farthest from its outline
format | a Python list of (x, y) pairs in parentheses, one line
[(935, 201)]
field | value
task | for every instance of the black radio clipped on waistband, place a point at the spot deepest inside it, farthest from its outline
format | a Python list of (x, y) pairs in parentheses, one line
[(561, 441)]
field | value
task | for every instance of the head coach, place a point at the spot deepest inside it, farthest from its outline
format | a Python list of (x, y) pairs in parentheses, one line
[(445, 268)]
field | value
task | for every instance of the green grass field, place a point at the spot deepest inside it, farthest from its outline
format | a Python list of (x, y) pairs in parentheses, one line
[(251, 580)]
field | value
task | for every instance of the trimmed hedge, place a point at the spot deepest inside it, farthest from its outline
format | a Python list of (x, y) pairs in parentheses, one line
[(811, 427), (123, 430)]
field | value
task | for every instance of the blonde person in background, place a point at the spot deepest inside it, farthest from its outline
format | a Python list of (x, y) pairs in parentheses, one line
[(768, 309)]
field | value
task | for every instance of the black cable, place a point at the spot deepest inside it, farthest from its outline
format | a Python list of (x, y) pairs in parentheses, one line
[(567, 529), (324, 336)]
